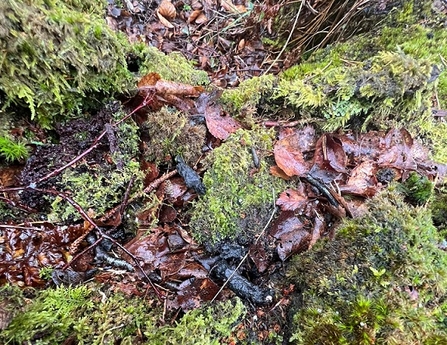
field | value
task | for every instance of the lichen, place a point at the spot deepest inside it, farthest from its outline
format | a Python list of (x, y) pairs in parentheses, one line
[(382, 280), (88, 316), (238, 195)]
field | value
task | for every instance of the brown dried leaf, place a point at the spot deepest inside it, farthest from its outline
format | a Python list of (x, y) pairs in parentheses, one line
[(194, 14), (167, 9), (149, 79), (201, 18), (230, 7), (164, 21)]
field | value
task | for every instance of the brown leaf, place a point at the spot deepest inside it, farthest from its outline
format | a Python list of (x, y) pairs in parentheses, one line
[(201, 18), (289, 157), (164, 21), (278, 172), (149, 79), (363, 181), (230, 7), (194, 14), (292, 200), (221, 127), (167, 9)]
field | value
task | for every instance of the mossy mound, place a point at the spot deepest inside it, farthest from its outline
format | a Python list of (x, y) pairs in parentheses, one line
[(60, 58), (171, 133), (239, 196), (57, 59), (84, 315), (382, 280)]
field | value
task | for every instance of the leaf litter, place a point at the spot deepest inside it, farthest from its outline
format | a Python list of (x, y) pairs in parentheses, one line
[(321, 170)]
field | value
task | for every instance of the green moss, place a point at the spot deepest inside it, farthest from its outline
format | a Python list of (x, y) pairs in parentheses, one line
[(172, 133), (60, 58), (239, 198), (243, 100), (100, 187), (206, 326), (388, 89), (382, 280), (172, 67), (88, 316), (11, 150), (418, 189), (56, 58)]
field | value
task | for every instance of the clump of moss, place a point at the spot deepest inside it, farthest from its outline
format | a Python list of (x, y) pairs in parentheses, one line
[(85, 316), (172, 67), (382, 280), (238, 195), (387, 89), (243, 100), (201, 326), (417, 189), (100, 187), (56, 58), (11, 150), (172, 133)]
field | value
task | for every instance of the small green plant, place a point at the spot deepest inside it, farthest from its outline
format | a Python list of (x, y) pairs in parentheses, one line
[(418, 189), (12, 151)]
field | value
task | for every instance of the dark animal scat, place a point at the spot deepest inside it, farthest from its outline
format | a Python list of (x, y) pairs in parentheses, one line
[(192, 179)]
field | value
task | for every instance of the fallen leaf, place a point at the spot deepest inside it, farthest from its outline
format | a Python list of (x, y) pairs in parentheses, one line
[(230, 7), (167, 9), (289, 157), (164, 21), (292, 199), (221, 127)]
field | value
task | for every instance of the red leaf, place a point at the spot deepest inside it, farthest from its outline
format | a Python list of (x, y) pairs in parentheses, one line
[(221, 126), (289, 157), (292, 200)]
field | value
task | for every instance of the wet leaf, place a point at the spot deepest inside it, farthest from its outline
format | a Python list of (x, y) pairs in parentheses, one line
[(289, 157), (291, 233), (220, 126), (292, 199)]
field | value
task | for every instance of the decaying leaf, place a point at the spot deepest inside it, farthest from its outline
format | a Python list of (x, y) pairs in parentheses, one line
[(230, 7), (167, 9), (219, 126), (153, 81), (164, 21), (289, 157), (292, 199)]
